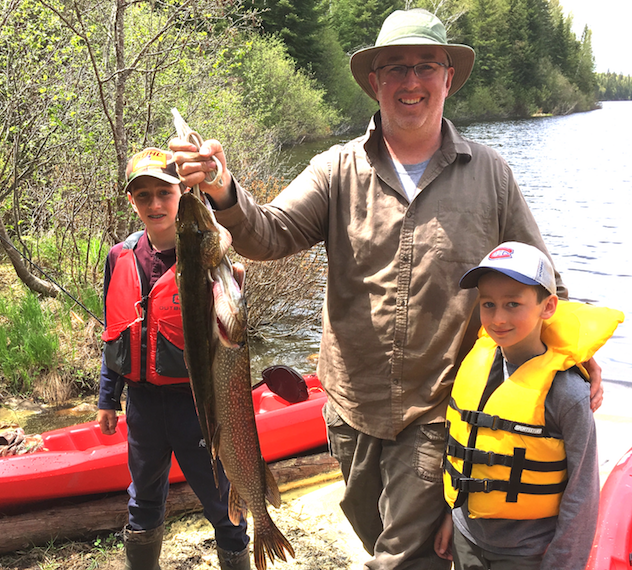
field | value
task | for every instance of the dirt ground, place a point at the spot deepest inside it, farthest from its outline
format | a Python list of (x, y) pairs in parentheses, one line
[(313, 523)]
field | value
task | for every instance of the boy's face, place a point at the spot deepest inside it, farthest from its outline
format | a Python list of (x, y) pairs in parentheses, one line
[(511, 314), (155, 202)]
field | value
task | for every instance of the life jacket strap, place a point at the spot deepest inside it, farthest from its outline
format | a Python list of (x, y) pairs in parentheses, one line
[(480, 457), (480, 419), (471, 485)]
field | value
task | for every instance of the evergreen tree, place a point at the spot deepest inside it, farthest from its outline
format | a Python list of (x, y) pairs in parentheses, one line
[(297, 23), (486, 25), (585, 73), (564, 45), (358, 22), (614, 87)]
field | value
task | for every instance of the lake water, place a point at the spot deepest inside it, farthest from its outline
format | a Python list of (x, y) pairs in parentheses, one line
[(576, 174)]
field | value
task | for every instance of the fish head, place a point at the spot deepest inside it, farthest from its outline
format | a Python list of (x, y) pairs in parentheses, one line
[(196, 225)]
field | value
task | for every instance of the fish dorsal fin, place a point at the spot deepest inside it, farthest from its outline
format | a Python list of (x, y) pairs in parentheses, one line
[(272, 489), (237, 507)]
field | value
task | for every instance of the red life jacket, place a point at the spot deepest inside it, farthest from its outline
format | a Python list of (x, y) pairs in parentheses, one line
[(144, 337)]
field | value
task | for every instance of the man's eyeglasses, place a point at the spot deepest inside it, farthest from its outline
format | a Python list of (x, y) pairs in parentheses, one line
[(398, 72)]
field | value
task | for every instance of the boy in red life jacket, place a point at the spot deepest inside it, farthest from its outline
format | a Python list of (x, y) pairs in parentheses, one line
[(520, 467), (144, 349)]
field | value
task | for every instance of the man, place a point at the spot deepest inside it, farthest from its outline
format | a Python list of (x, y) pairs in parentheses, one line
[(403, 211)]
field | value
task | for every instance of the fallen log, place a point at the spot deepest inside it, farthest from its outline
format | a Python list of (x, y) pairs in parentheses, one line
[(86, 517)]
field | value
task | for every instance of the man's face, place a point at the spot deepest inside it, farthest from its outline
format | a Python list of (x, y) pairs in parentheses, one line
[(155, 202), (411, 103)]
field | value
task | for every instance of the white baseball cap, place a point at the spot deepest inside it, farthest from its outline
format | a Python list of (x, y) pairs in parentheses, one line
[(520, 261)]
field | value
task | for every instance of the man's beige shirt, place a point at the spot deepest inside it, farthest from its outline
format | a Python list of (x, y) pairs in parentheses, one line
[(395, 322)]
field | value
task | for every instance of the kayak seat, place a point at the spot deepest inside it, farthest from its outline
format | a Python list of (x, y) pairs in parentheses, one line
[(286, 383)]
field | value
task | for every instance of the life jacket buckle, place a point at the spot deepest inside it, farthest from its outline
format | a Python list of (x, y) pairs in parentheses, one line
[(140, 307), (469, 416), (487, 488)]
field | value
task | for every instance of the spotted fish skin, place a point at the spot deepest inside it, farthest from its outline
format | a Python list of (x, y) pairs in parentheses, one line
[(236, 437), (216, 322), (197, 251)]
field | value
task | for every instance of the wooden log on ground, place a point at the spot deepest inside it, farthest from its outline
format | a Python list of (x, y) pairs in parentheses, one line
[(86, 518)]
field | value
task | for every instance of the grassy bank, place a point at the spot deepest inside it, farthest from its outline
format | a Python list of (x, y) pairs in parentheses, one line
[(49, 348)]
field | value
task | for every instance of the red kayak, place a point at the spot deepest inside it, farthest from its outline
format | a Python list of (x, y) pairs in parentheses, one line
[(612, 547), (80, 460)]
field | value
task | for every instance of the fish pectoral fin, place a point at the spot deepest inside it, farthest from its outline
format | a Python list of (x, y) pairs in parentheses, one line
[(272, 489), (215, 442), (237, 507), (214, 451), (239, 273)]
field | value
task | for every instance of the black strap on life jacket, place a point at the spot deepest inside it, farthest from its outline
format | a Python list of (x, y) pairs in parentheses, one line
[(478, 419), (512, 487), (477, 456)]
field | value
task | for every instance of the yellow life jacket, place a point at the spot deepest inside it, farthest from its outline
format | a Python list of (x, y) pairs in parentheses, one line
[(499, 453)]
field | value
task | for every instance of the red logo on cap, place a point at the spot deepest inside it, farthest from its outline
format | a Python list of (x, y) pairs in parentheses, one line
[(501, 253)]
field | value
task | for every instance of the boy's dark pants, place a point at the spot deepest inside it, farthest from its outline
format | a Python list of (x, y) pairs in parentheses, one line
[(161, 420), (468, 556)]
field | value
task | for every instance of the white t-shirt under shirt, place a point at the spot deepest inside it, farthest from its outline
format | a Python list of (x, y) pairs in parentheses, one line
[(409, 176)]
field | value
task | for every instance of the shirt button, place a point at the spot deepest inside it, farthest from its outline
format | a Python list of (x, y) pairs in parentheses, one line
[(396, 381)]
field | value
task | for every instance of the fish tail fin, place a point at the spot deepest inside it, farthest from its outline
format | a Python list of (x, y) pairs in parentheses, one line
[(237, 507), (271, 543), (272, 489)]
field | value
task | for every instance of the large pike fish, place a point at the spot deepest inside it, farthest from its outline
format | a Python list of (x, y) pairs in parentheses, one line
[(200, 246), (236, 440), (216, 350)]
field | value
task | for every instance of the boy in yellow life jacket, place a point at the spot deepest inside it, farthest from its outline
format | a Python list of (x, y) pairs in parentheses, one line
[(520, 470)]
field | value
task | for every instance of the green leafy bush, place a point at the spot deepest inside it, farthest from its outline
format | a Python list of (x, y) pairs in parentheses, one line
[(281, 96)]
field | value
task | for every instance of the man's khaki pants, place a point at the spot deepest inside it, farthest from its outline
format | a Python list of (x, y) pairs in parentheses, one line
[(394, 492)]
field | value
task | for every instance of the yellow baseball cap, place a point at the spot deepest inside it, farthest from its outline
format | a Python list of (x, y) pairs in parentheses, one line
[(151, 162)]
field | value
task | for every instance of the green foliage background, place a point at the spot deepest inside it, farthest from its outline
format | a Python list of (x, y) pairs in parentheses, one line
[(85, 85)]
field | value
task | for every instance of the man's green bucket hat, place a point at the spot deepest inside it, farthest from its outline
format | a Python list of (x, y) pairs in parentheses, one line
[(413, 28)]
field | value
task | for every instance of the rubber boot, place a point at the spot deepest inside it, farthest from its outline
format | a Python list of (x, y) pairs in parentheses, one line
[(142, 548), (234, 560)]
